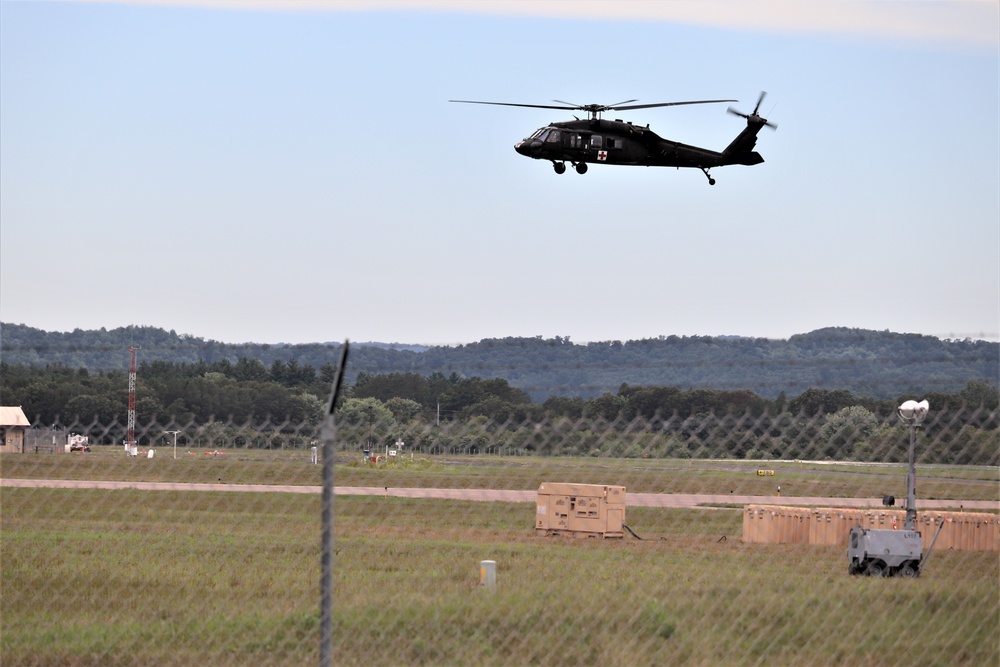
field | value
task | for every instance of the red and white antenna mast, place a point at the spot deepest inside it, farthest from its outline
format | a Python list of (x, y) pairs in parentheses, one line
[(130, 439)]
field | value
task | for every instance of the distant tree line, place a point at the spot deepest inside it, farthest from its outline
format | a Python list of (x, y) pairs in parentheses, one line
[(475, 415), (470, 416), (167, 392), (878, 364), (249, 390)]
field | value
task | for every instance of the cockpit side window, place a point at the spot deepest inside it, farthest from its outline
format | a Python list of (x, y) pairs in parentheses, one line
[(553, 137)]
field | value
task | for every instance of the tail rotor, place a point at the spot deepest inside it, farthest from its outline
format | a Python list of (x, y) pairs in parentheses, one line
[(754, 117)]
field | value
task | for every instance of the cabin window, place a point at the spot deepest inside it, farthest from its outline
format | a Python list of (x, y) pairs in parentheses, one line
[(613, 143), (575, 141), (595, 141)]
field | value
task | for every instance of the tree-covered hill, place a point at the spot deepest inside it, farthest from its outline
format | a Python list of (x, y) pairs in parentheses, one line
[(879, 364)]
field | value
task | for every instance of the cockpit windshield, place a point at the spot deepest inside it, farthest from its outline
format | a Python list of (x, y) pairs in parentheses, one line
[(546, 134)]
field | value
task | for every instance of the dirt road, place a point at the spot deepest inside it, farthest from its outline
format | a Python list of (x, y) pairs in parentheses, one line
[(501, 495)]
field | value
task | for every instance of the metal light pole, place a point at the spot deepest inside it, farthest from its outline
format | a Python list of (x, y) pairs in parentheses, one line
[(175, 442), (912, 413), (911, 486)]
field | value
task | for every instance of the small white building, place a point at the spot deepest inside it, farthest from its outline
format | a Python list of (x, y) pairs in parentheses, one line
[(12, 426)]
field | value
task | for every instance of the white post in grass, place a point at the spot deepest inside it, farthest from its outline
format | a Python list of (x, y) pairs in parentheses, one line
[(488, 573)]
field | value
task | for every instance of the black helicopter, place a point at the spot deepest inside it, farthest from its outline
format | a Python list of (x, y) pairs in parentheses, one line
[(599, 141)]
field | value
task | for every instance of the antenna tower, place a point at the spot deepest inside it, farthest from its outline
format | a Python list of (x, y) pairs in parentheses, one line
[(130, 439)]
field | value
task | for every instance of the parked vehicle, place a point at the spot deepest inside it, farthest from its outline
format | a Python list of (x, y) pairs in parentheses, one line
[(77, 443)]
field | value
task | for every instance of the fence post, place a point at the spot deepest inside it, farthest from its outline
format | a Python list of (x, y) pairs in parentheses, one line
[(328, 438)]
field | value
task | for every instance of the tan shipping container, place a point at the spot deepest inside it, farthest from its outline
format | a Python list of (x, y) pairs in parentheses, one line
[(580, 510)]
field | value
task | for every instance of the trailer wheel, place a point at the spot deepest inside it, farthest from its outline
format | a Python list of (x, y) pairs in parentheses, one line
[(908, 570), (876, 569)]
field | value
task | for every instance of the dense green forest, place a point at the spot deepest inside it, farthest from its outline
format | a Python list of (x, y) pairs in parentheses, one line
[(248, 391), (475, 403), (248, 405), (875, 364)]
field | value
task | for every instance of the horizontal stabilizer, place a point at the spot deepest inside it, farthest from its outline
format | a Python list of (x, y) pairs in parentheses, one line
[(748, 159)]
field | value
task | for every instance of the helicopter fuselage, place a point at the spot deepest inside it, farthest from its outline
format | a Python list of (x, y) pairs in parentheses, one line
[(599, 141)]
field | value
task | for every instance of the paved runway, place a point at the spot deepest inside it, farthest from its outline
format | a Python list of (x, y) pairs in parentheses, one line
[(494, 495)]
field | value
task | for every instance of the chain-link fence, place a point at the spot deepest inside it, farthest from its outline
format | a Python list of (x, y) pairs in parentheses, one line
[(961, 435), (201, 544)]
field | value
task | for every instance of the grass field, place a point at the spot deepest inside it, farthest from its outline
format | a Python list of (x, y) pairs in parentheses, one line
[(182, 578)]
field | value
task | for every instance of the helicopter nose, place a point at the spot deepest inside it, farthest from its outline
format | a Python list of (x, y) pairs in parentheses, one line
[(527, 147)]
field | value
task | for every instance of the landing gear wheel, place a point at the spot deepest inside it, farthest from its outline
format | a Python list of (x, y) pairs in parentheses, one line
[(560, 167), (581, 168)]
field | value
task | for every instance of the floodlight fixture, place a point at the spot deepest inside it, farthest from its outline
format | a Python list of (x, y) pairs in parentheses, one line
[(913, 412)]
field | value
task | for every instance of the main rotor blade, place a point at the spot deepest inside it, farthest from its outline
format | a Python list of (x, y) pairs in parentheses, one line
[(512, 104), (593, 108), (666, 104)]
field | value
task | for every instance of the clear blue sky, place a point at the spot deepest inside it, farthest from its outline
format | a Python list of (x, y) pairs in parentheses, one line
[(243, 173)]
